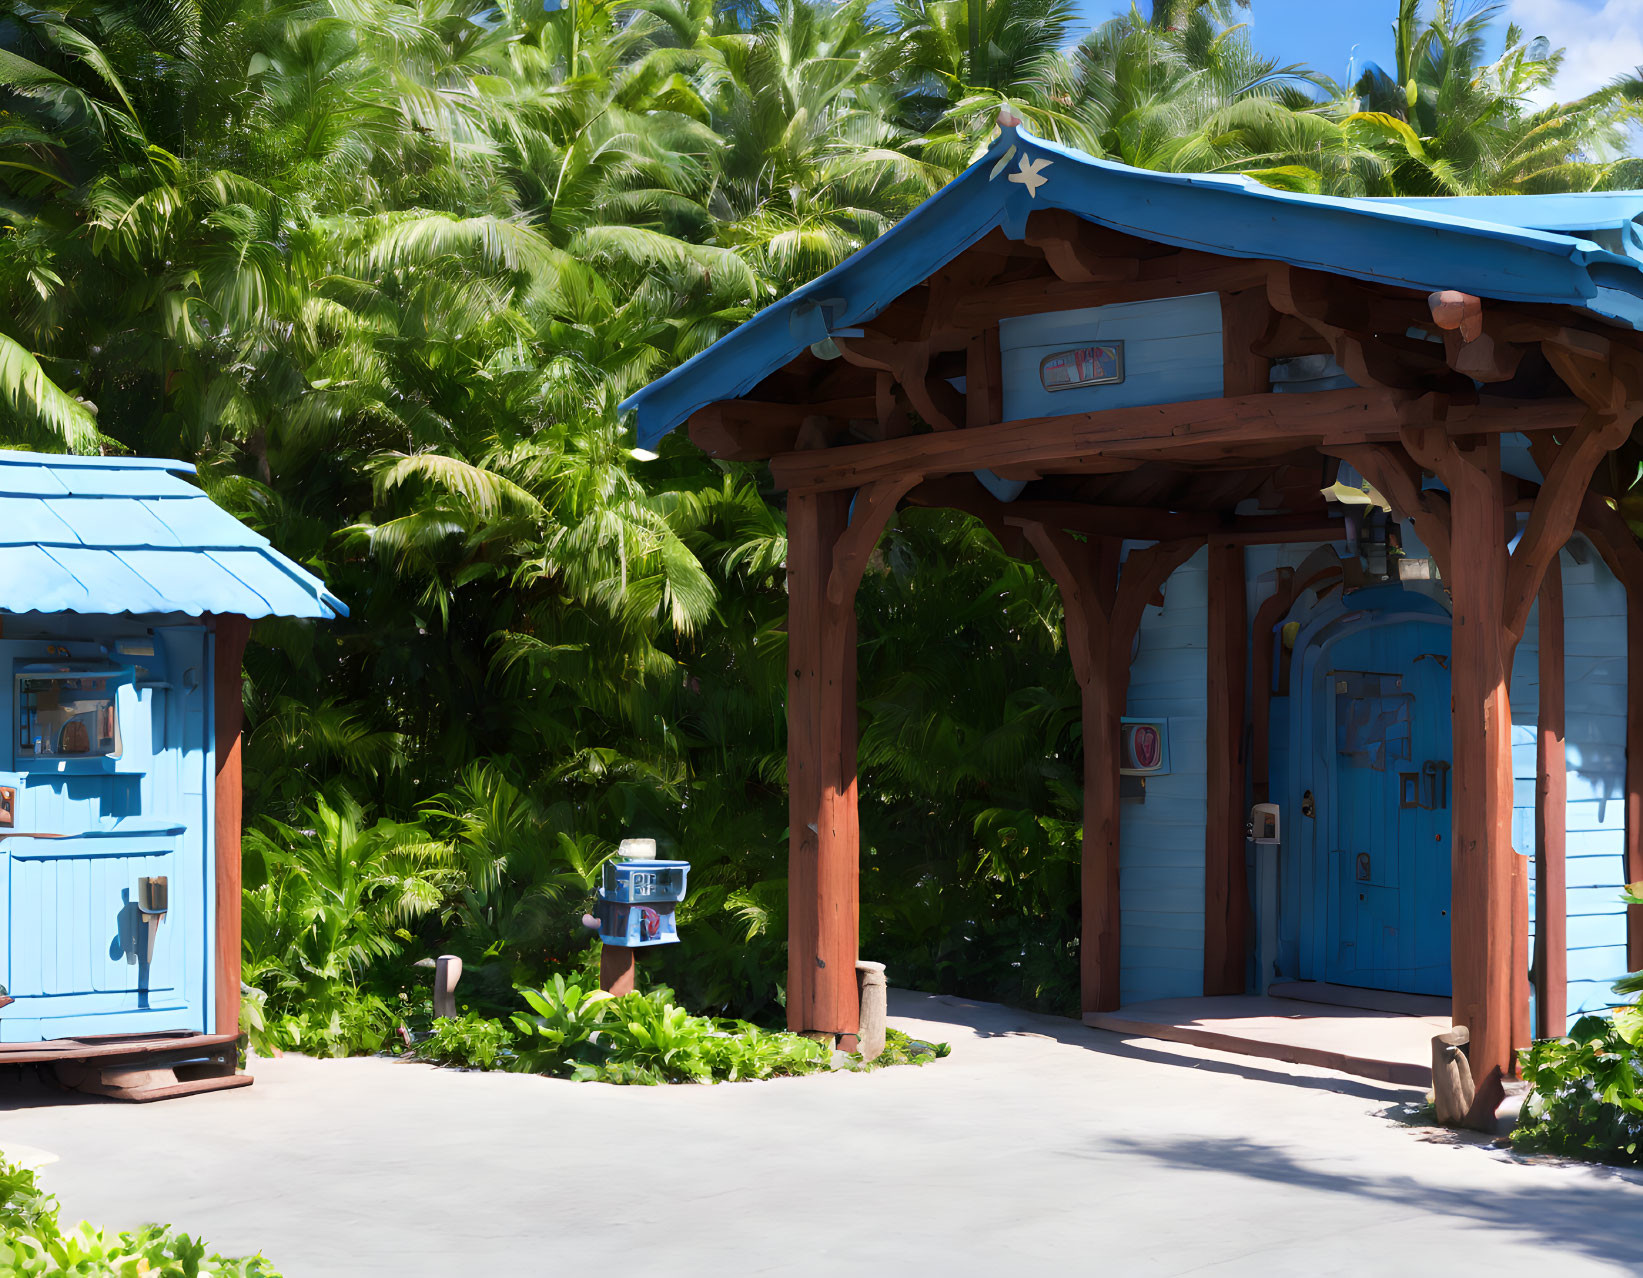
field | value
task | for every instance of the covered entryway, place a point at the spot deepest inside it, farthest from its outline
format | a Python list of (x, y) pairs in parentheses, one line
[(1119, 445)]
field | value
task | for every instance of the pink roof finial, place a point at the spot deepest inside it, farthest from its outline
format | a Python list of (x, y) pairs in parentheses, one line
[(1008, 119)]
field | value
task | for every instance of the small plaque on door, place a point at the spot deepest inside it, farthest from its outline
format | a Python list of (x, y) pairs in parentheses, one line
[(1363, 871)]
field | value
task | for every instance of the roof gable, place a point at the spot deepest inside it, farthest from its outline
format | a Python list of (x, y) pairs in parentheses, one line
[(129, 535), (1409, 243)]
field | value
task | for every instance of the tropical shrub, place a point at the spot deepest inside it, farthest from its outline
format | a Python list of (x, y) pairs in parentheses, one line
[(470, 1040), (34, 1241), (647, 1038), (1587, 1097)]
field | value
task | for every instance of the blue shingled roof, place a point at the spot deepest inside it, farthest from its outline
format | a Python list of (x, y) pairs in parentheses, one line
[(1582, 251), (124, 534)]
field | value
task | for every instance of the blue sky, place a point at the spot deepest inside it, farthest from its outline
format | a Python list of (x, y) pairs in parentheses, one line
[(1603, 37)]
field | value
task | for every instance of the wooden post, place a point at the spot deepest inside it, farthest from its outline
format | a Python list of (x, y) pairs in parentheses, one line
[(821, 774), (1480, 945), (1267, 616), (617, 969), (874, 1009), (1551, 819), (1452, 1089), (829, 538), (1102, 611), (228, 710), (447, 972), (1226, 892)]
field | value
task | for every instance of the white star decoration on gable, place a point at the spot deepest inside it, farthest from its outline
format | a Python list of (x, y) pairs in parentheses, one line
[(1031, 174)]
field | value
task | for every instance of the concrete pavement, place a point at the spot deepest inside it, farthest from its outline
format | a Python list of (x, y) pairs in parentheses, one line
[(1039, 1146)]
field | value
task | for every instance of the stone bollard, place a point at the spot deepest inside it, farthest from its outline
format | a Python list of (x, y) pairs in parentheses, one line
[(447, 972), (1452, 1088), (870, 1037)]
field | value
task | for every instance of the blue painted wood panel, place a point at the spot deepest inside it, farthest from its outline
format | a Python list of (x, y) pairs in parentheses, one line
[(72, 952), (1384, 715), (1594, 672), (1161, 841), (1172, 353)]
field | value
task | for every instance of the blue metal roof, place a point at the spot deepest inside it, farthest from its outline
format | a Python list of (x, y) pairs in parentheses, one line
[(1492, 247), (124, 534)]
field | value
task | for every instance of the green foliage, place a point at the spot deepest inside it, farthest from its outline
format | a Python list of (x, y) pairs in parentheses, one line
[(470, 1040), (1587, 1098), (903, 1049), (33, 1241), (647, 1038)]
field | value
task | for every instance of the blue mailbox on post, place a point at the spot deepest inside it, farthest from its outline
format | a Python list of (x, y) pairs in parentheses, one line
[(637, 900)]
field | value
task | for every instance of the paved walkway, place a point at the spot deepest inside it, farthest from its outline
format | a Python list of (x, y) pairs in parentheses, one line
[(1038, 1147)]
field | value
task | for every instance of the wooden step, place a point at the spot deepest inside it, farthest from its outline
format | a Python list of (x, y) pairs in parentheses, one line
[(115, 1046), (148, 1081), (1394, 1001)]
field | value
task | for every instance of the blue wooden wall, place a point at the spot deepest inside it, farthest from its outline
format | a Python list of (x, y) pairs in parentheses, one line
[(1161, 841), (1172, 352), (71, 950), (1594, 673)]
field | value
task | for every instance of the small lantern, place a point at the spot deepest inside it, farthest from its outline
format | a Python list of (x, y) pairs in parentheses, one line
[(638, 899)]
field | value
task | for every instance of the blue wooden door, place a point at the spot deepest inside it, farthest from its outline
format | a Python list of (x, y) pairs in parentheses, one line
[(1387, 739), (76, 952)]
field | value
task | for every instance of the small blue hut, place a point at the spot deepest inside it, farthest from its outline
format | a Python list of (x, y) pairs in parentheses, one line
[(126, 596)]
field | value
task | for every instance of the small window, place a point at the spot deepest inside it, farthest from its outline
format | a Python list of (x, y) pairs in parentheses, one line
[(67, 711)]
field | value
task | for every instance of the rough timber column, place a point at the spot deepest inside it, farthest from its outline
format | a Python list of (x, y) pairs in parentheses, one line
[(228, 707), (1102, 611), (829, 537), (1480, 945), (1226, 891), (1551, 800), (823, 840)]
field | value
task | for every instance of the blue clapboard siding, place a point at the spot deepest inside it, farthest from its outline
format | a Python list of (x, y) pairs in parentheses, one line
[(1161, 841), (1595, 691), (1172, 353), (71, 950)]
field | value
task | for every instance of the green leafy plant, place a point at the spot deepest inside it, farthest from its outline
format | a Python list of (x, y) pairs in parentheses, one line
[(33, 1241), (1587, 1097), (470, 1040), (647, 1038)]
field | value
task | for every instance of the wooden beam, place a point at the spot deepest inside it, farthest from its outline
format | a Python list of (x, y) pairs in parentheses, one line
[(751, 430), (228, 709), (1226, 894), (1245, 317), (1552, 518), (983, 380), (1318, 418), (1071, 246), (1172, 276), (1397, 477), (1272, 610), (1551, 965), (869, 512), (932, 397)]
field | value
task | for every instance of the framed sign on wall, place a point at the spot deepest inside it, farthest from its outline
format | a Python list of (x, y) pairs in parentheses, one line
[(1143, 747), (1098, 364)]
